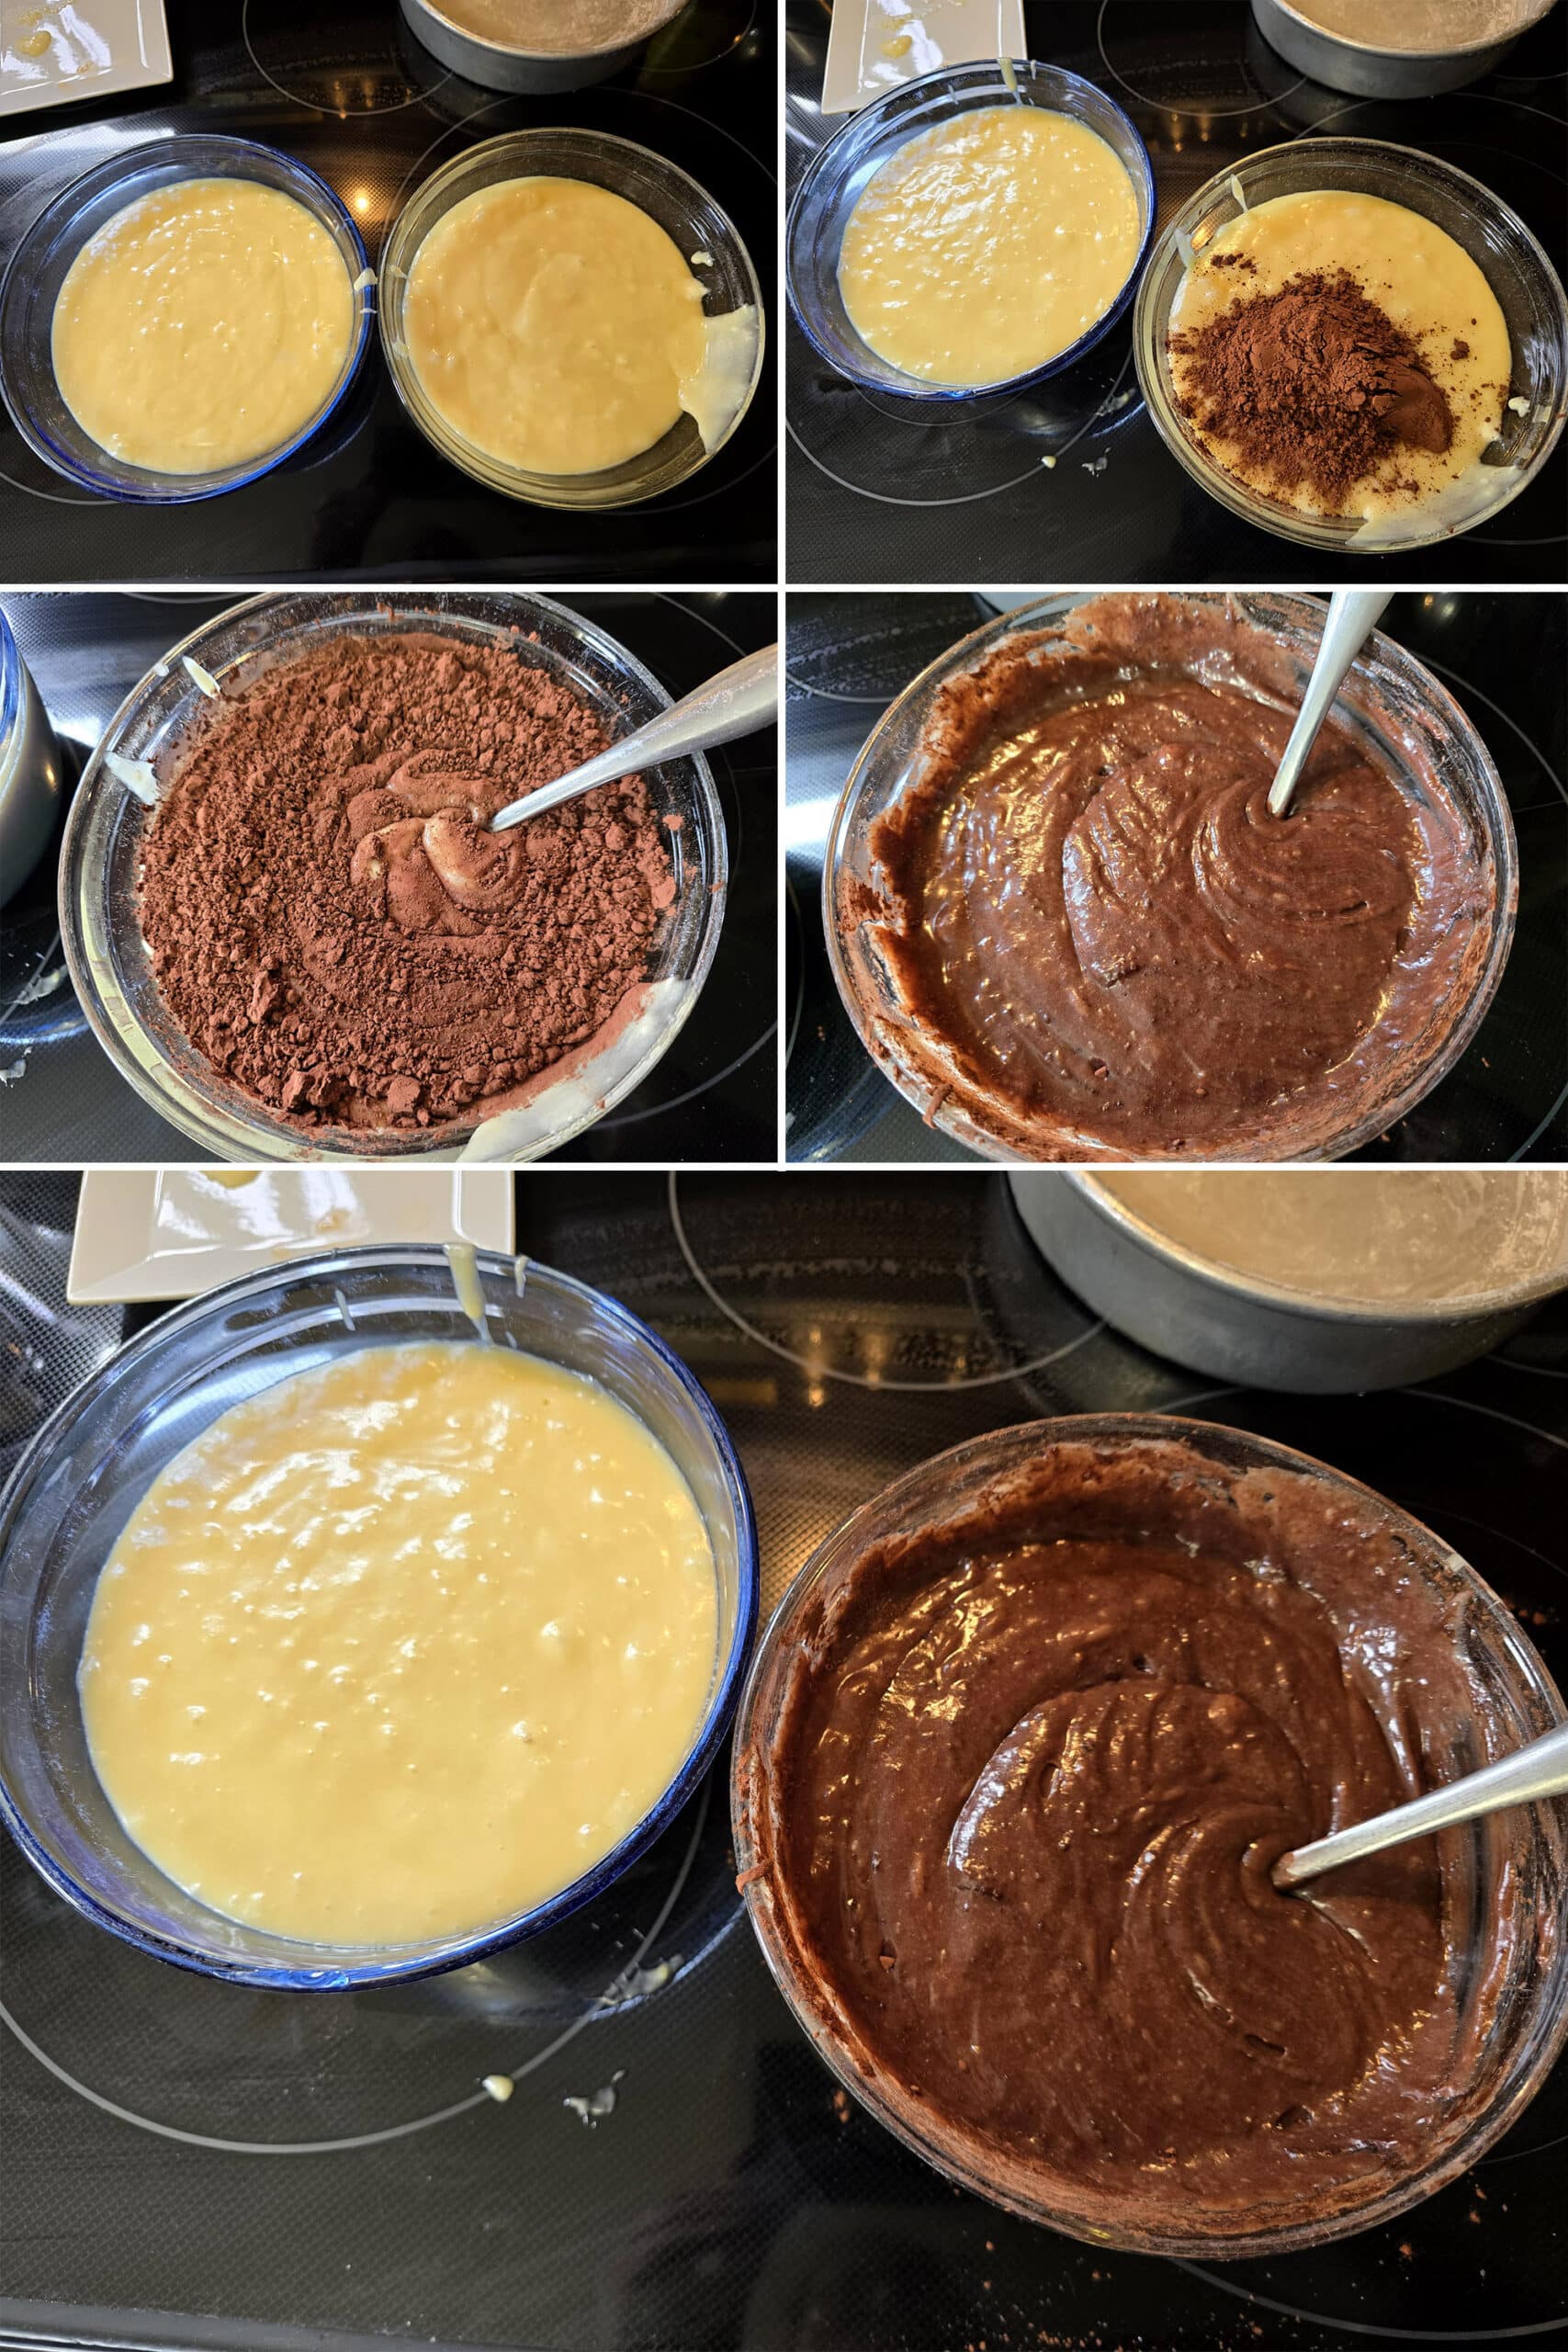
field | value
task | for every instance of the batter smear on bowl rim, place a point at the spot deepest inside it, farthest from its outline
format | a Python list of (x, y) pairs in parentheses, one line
[(330, 922)]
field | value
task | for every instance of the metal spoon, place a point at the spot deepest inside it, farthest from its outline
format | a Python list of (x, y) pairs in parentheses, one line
[(1538, 1770), (739, 701), (1353, 613)]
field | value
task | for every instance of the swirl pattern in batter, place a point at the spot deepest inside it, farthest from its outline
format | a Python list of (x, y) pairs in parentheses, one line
[(1106, 939), (1031, 1774)]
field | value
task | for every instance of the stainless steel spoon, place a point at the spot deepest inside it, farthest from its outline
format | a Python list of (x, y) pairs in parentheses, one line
[(1533, 1772), (1353, 613), (739, 701)]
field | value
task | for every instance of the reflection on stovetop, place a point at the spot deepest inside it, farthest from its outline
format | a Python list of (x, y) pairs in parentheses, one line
[(349, 90), (849, 655), (713, 1096), (846, 1329), (1074, 476)]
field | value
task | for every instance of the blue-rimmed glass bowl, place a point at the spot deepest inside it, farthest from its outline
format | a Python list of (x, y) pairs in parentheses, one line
[(78, 1482), (836, 176), (45, 254)]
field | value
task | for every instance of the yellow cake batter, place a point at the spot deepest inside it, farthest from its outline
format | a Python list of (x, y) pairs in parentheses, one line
[(202, 326), (988, 244), (1413, 270), (402, 1645), (1359, 1233), (554, 325)]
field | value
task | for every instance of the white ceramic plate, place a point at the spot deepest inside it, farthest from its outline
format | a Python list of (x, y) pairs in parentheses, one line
[(170, 1232), (873, 45), (52, 52)]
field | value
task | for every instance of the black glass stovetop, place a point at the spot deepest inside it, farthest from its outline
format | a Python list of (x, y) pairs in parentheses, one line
[(345, 86), (731, 2196), (1504, 658), (713, 1097), (875, 496)]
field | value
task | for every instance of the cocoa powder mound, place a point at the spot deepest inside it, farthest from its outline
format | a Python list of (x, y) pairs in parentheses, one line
[(331, 924), (1313, 384)]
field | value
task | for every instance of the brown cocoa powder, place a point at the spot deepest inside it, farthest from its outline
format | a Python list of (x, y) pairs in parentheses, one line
[(310, 946), (1312, 385)]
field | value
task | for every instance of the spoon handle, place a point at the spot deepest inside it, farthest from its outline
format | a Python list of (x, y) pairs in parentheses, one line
[(1353, 613), (1538, 1770), (739, 701)]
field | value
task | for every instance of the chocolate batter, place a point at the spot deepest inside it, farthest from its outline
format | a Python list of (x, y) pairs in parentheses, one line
[(1027, 1785), (332, 926), (1107, 942)]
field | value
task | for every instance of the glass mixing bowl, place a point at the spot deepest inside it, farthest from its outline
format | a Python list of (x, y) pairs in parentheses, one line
[(1385, 685), (656, 187), (837, 175), (101, 930), (75, 1487), (46, 252), (1518, 1859), (1528, 292)]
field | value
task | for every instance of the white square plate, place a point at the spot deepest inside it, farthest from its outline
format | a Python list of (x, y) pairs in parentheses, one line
[(170, 1232), (873, 45), (54, 51)]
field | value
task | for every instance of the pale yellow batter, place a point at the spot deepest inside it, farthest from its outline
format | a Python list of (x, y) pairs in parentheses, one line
[(1359, 1233), (202, 326), (554, 325), (1413, 270), (400, 1646), (988, 244)]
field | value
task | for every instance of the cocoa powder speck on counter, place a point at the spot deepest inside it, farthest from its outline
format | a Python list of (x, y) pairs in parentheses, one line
[(330, 922)]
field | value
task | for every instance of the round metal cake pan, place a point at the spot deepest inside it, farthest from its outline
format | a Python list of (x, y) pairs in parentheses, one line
[(534, 72), (1239, 1329), (1368, 72)]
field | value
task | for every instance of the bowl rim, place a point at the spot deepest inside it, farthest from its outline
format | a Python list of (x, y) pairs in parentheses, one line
[(828, 2043), (996, 628), (326, 1971), (11, 674), (1335, 533), (466, 456), (1092, 1184), (918, 390), (185, 489), (456, 1136)]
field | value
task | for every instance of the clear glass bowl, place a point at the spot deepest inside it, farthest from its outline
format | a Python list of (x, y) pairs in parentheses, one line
[(1386, 688), (656, 187), (47, 250), (101, 930), (79, 1480), (837, 175), (1518, 1859), (1527, 289)]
